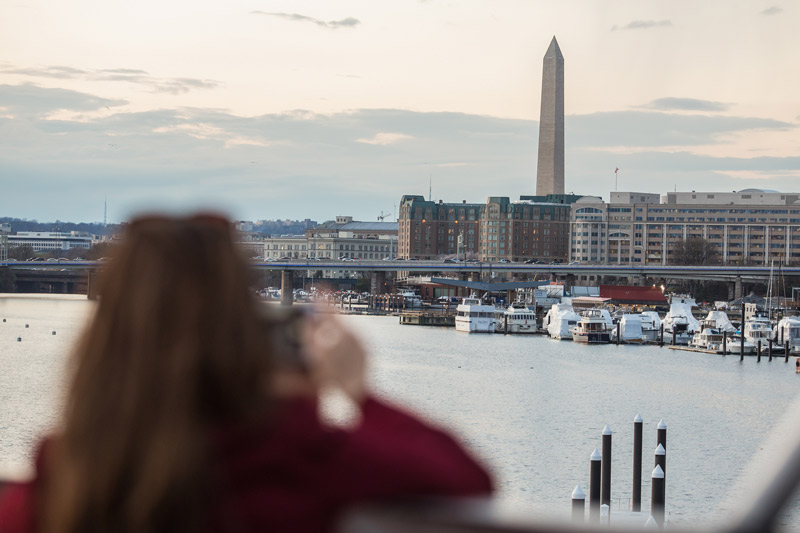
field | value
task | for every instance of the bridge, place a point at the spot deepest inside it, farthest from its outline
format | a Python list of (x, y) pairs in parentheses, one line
[(65, 275)]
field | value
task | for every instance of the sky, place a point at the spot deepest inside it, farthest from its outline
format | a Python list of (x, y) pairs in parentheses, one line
[(275, 109)]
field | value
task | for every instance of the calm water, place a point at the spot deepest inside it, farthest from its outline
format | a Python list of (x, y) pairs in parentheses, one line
[(531, 407)]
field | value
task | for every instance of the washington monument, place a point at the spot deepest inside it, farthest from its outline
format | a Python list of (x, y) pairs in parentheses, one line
[(550, 169)]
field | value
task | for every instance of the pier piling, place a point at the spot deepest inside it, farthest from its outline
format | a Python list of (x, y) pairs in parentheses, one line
[(578, 504), (724, 343), (661, 435), (594, 486), (661, 335), (673, 336), (769, 350), (758, 347), (605, 478), (786, 352), (657, 496), (660, 456), (618, 333), (636, 496)]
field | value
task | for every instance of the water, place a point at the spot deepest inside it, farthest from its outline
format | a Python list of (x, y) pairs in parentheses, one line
[(532, 408)]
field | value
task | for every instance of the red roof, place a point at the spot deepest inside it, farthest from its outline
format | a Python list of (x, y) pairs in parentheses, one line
[(632, 295)]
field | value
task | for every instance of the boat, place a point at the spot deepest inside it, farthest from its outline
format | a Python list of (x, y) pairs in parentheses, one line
[(708, 337), (473, 316), (592, 328), (788, 330), (757, 330), (679, 324), (517, 319), (560, 320), (629, 328), (651, 326), (720, 321), (736, 346), (410, 298)]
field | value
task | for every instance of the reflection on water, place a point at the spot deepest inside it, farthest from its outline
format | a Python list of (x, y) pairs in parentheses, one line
[(532, 407)]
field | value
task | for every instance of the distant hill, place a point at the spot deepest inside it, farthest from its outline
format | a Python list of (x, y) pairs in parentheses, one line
[(95, 228)]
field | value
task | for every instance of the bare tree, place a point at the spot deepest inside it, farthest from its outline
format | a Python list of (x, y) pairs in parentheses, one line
[(694, 251)]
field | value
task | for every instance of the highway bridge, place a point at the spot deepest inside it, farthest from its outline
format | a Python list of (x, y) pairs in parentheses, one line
[(715, 273)]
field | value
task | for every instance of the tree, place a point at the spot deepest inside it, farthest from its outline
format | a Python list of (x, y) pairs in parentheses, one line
[(694, 251), (101, 249), (21, 253)]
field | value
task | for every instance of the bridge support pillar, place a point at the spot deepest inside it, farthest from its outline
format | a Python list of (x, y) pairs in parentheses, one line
[(287, 278), (377, 282), (737, 288), (92, 285)]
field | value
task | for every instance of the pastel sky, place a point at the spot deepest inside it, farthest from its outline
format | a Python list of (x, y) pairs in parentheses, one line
[(313, 108)]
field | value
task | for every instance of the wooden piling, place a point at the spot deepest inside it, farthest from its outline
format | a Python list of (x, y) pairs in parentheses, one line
[(786, 352), (618, 325), (578, 504), (605, 478), (661, 335), (657, 495), (594, 486), (769, 349), (636, 493), (724, 343), (660, 457), (673, 334), (758, 347)]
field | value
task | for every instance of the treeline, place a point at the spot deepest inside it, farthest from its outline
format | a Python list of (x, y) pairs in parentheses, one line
[(95, 228), (283, 227)]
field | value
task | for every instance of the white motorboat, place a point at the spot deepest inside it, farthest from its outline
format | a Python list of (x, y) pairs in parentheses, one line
[(707, 337), (592, 328), (736, 346), (757, 329), (560, 320), (788, 330), (630, 329), (679, 324), (651, 326), (720, 321), (411, 298), (517, 319), (473, 316)]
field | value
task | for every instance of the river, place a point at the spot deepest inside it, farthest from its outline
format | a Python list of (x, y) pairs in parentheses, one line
[(532, 408)]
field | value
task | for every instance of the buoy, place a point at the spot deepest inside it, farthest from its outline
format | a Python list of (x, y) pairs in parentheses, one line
[(19, 339)]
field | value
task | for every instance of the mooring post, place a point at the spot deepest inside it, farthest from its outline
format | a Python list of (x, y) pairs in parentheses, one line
[(769, 349), (758, 347), (594, 486), (741, 346), (673, 335), (505, 324), (661, 433), (660, 456), (657, 496), (724, 343), (618, 333), (605, 478), (578, 504), (786, 352), (636, 497), (661, 335)]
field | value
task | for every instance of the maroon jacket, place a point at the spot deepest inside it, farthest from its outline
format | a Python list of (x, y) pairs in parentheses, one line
[(295, 474)]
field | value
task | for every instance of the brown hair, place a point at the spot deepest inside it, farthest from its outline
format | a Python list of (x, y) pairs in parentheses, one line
[(175, 347)]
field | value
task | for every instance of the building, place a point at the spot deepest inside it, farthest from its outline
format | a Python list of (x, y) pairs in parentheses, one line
[(50, 241), (751, 226), (498, 229), (430, 230), (550, 164)]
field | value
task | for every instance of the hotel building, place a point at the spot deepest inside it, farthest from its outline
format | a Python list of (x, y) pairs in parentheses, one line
[(535, 227), (751, 226)]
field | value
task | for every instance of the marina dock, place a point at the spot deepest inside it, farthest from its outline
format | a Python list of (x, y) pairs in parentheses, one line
[(419, 318)]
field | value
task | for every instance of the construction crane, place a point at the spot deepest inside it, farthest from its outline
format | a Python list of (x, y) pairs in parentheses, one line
[(383, 215)]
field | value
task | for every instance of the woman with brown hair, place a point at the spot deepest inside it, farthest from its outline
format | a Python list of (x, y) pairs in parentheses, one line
[(183, 414)]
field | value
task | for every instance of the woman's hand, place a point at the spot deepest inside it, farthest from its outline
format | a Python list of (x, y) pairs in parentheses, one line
[(334, 356)]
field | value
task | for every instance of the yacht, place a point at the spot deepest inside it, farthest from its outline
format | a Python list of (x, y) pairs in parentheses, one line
[(473, 316), (788, 330), (737, 346), (592, 328), (411, 298), (708, 337), (630, 329), (651, 326), (679, 322), (560, 320), (517, 319), (757, 328)]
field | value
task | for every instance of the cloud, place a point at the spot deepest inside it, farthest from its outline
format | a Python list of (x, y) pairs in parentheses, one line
[(135, 76), (28, 99), (774, 10), (348, 22), (354, 162), (385, 139), (686, 104), (642, 25)]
